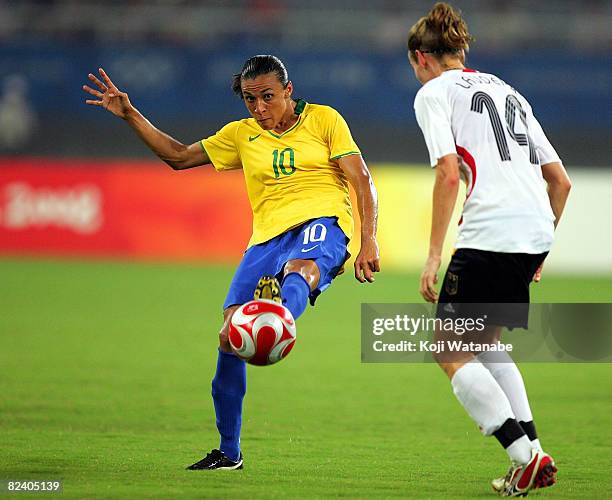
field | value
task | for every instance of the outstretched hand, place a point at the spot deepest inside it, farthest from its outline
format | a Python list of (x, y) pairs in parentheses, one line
[(109, 96)]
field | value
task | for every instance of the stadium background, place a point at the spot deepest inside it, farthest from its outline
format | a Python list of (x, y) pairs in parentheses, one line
[(113, 266)]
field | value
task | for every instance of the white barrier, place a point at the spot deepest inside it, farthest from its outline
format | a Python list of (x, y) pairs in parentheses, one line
[(583, 241)]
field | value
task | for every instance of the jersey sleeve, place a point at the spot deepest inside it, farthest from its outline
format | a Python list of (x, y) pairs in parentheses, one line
[(338, 136), (222, 148), (434, 118)]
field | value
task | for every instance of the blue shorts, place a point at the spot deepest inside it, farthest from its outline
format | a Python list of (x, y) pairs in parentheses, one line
[(320, 240)]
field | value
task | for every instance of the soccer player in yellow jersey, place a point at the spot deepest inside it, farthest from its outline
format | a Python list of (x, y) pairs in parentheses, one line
[(298, 160)]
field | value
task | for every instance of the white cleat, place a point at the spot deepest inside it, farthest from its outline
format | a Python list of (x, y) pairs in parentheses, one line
[(539, 472)]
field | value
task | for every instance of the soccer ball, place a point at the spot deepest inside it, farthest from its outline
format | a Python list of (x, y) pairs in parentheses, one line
[(262, 332)]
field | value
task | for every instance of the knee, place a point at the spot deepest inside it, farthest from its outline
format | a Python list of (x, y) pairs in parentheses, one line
[(308, 269), (450, 363), (438, 358), (445, 365), (224, 343), (444, 358)]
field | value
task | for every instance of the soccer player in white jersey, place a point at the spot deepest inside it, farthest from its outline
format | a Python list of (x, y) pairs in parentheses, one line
[(481, 129)]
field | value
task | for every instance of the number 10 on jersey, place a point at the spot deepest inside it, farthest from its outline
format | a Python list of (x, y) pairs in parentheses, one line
[(279, 162)]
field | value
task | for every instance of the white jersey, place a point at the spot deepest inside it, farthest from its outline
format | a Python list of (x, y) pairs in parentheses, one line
[(502, 147)]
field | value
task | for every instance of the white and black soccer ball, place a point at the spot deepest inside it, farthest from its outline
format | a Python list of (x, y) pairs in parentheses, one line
[(262, 332)]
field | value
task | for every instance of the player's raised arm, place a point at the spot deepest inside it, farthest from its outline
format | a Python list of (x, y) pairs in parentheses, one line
[(368, 260), (176, 154)]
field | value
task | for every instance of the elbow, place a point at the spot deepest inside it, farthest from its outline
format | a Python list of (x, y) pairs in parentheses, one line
[(178, 159), (556, 177), (451, 180), (362, 181), (567, 185), (448, 184), (368, 181), (172, 164), (562, 184), (447, 172), (175, 163)]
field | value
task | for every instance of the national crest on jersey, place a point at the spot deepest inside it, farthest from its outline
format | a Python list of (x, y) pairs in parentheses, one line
[(502, 147), (290, 177)]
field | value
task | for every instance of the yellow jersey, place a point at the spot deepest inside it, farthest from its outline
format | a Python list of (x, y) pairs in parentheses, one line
[(292, 177)]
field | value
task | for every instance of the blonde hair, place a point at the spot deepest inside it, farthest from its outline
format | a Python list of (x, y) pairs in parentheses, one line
[(442, 31)]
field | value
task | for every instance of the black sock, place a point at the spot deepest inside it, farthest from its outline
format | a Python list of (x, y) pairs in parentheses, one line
[(530, 430), (509, 432)]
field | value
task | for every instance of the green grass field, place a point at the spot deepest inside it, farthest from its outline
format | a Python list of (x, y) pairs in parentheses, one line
[(105, 373)]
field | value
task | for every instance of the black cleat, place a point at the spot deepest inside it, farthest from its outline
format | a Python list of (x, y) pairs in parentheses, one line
[(268, 288), (217, 460)]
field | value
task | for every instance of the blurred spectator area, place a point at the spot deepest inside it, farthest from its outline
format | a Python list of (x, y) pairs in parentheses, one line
[(377, 24), (176, 58)]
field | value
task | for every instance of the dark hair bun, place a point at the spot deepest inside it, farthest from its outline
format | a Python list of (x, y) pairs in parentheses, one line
[(450, 25), (443, 30)]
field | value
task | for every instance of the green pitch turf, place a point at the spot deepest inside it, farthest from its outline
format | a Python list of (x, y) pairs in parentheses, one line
[(105, 373)]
